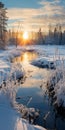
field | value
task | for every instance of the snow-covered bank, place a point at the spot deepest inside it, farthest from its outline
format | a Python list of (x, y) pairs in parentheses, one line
[(44, 63), (46, 54), (53, 57), (56, 79), (7, 67), (56, 86), (10, 119)]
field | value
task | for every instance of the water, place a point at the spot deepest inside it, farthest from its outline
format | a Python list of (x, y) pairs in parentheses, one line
[(34, 88)]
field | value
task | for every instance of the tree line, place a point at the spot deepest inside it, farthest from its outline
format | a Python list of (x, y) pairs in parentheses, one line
[(54, 36)]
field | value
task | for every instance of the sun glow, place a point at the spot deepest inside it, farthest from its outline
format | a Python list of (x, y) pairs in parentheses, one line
[(25, 35)]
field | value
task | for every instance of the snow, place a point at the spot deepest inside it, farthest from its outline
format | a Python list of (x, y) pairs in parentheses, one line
[(44, 63), (6, 66), (10, 116), (60, 90), (53, 57), (56, 85), (10, 119)]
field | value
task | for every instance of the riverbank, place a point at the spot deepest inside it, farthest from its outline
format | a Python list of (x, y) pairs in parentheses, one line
[(10, 118), (15, 70)]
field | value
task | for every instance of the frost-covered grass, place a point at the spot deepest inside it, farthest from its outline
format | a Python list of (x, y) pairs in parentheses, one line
[(10, 119), (9, 89), (60, 89), (11, 112), (56, 85), (56, 79), (5, 63)]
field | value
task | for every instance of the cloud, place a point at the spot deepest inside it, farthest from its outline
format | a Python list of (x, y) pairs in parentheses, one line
[(49, 12), (16, 13)]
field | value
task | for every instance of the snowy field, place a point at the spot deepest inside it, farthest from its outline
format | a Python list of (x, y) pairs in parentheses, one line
[(10, 118)]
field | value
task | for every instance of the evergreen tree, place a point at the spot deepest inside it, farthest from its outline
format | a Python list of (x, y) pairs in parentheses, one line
[(56, 34), (3, 22), (50, 31), (63, 38), (60, 35), (40, 37)]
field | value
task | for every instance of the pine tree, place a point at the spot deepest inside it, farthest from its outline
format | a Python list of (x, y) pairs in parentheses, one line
[(40, 37), (60, 35), (56, 35), (3, 23)]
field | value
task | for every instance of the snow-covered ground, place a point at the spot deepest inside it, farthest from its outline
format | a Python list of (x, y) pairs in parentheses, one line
[(10, 118), (7, 67), (44, 63), (56, 86), (53, 57)]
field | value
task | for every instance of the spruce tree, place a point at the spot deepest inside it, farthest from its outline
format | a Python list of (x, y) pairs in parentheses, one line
[(3, 23)]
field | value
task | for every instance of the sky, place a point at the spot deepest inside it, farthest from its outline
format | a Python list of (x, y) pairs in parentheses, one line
[(30, 15)]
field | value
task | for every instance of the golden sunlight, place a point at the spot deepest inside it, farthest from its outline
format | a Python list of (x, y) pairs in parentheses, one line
[(25, 35)]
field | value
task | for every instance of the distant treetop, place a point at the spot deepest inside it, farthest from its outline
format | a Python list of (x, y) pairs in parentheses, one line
[(1, 5)]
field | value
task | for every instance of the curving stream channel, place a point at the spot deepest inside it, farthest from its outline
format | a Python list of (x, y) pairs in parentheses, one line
[(33, 93)]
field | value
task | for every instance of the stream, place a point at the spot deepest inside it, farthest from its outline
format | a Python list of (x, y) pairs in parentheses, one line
[(33, 93)]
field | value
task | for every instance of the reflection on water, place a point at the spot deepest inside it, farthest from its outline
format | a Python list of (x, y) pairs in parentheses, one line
[(34, 87), (26, 57), (34, 75)]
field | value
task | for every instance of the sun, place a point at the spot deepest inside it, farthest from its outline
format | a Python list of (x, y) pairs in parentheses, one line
[(25, 35)]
